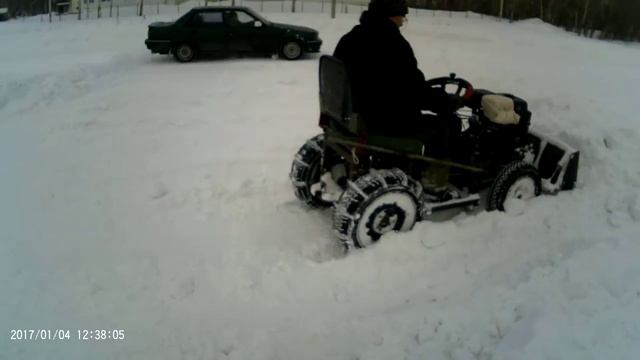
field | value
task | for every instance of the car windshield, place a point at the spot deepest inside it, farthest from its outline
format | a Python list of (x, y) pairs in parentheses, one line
[(258, 16)]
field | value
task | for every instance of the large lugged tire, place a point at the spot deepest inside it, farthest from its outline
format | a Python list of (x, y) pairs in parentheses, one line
[(515, 184), (306, 171), (376, 203)]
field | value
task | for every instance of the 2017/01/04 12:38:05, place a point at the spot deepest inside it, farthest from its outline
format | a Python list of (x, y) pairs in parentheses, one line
[(62, 334)]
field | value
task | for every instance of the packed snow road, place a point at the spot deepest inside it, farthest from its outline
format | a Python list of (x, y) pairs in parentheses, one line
[(151, 196)]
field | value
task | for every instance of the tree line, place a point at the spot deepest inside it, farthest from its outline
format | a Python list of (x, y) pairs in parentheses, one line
[(606, 19)]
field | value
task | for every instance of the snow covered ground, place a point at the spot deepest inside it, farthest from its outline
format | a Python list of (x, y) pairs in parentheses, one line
[(141, 194)]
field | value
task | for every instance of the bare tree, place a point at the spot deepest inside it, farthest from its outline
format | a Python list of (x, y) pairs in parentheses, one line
[(611, 19)]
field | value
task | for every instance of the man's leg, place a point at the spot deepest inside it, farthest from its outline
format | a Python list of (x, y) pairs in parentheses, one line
[(439, 146)]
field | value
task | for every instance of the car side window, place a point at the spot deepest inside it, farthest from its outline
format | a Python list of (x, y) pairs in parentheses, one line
[(207, 19), (238, 18), (212, 18)]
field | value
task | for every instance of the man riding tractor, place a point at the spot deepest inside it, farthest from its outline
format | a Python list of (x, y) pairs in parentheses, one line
[(396, 147), (390, 92)]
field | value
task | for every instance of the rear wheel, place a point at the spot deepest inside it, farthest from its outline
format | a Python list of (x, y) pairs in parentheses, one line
[(184, 52), (375, 204), (291, 50), (516, 183), (306, 170)]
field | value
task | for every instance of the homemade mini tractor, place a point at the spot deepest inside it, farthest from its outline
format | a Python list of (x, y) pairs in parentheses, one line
[(375, 182)]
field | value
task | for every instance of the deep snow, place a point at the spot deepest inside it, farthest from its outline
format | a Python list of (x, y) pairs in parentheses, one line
[(146, 195)]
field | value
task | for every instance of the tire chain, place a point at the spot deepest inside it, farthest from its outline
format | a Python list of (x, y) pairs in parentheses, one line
[(307, 156), (507, 176), (346, 209)]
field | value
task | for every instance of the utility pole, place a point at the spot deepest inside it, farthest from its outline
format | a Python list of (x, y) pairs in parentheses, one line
[(333, 9), (49, 10), (501, 8)]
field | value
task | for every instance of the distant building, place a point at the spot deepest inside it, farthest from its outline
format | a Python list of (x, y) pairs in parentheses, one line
[(24, 7), (62, 6)]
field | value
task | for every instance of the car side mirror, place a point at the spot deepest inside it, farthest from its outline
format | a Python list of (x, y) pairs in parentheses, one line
[(257, 23)]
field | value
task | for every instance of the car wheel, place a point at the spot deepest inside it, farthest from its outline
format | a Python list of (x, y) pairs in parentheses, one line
[(291, 50), (184, 53)]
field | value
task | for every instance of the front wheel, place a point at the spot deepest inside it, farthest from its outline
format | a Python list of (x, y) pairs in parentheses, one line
[(375, 204), (184, 53), (515, 184), (291, 50)]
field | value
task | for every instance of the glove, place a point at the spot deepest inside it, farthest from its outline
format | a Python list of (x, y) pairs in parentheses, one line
[(454, 103)]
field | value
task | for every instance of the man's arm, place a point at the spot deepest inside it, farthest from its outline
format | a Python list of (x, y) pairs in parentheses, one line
[(343, 48)]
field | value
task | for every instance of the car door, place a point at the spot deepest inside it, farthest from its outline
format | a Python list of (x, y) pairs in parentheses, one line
[(207, 31), (246, 33)]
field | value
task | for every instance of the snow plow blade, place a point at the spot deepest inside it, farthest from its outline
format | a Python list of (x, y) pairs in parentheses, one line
[(556, 161)]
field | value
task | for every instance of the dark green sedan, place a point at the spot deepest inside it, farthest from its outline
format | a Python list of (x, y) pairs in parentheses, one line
[(224, 30)]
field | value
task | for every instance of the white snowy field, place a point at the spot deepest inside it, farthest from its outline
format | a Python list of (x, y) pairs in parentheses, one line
[(141, 194)]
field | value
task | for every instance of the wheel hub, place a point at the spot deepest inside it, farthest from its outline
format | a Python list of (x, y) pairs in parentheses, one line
[(386, 218), (384, 222), (522, 190), (184, 52), (292, 50)]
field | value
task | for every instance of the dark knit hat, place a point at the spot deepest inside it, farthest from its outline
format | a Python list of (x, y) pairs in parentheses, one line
[(389, 8)]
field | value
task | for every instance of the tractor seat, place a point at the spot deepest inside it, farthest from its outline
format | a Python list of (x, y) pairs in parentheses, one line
[(339, 120), (500, 110)]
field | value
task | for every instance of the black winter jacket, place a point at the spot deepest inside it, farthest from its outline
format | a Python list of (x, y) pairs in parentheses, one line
[(387, 86)]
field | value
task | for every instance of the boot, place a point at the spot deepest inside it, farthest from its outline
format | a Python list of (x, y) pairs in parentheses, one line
[(435, 182)]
